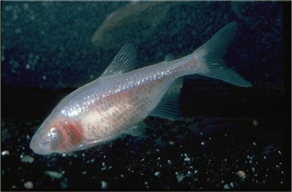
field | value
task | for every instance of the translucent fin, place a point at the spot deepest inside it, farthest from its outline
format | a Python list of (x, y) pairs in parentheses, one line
[(169, 57), (123, 62), (138, 130), (211, 53), (169, 106)]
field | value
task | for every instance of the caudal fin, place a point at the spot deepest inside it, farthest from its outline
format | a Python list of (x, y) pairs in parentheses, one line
[(211, 53)]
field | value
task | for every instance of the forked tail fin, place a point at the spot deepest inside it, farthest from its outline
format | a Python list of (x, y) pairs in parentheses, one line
[(211, 53)]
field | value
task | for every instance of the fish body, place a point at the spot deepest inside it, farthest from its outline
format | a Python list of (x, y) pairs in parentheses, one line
[(121, 98), (131, 22)]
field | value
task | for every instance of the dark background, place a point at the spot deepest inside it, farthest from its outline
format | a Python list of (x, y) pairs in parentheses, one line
[(46, 52)]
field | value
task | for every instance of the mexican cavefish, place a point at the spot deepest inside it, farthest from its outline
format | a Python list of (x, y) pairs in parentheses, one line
[(121, 97), (140, 18)]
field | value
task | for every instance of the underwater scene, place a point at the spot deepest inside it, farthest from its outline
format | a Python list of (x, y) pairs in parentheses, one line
[(85, 107)]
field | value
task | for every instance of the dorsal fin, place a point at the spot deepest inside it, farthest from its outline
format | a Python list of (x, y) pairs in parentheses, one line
[(123, 62)]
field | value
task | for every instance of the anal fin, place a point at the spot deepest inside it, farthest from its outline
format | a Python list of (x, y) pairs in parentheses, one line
[(169, 106)]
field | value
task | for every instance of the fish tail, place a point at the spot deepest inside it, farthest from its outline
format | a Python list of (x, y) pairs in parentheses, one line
[(210, 55)]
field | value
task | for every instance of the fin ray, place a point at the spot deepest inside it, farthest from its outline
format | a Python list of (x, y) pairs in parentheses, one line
[(123, 62), (168, 107), (212, 52)]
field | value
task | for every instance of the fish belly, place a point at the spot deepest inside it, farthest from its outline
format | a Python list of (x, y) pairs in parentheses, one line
[(123, 104)]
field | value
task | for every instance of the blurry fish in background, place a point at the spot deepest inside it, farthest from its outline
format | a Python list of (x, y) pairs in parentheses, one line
[(130, 23)]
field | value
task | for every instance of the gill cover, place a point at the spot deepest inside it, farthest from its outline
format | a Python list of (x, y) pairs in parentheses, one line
[(61, 136)]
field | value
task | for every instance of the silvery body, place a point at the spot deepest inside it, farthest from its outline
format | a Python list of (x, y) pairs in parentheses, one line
[(121, 98)]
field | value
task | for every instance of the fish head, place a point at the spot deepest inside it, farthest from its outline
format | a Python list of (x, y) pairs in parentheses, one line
[(57, 135)]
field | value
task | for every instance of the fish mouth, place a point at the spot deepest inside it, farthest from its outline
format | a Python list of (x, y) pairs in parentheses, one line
[(40, 147)]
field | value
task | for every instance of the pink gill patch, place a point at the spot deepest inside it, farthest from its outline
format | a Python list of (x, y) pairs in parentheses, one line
[(72, 133)]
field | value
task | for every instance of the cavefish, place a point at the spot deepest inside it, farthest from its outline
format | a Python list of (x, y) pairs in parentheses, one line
[(131, 22), (117, 101)]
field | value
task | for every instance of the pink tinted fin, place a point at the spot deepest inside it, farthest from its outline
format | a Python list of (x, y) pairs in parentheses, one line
[(211, 53)]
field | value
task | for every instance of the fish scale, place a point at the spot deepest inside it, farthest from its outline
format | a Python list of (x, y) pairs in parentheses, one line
[(121, 98)]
